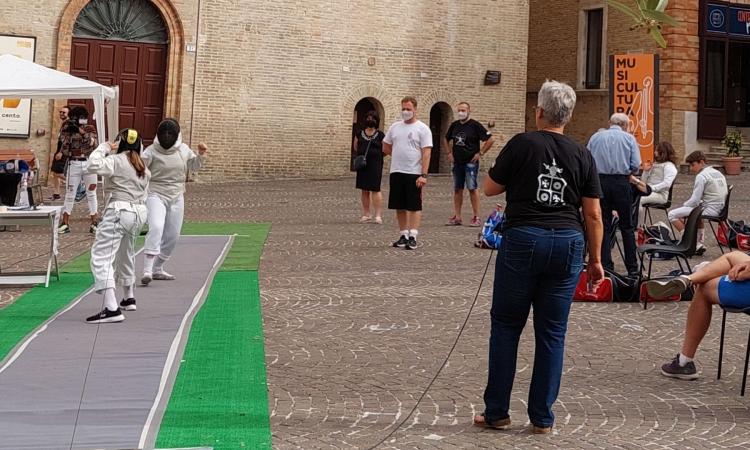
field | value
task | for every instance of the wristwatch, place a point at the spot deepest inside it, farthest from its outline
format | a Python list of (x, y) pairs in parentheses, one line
[(424, 175)]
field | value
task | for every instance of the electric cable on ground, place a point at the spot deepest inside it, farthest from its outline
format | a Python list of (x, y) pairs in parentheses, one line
[(445, 361)]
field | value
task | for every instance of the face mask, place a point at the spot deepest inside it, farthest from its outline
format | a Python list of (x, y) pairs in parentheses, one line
[(406, 114), (83, 121), (462, 115)]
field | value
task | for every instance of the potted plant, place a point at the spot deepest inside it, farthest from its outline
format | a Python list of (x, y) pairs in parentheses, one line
[(732, 160)]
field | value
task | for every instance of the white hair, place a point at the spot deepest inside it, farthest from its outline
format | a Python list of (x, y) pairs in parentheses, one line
[(557, 101), (621, 120)]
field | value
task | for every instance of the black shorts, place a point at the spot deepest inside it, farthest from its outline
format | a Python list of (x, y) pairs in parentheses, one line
[(404, 192), (58, 166)]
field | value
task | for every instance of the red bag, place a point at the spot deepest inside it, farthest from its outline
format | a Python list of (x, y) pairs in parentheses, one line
[(640, 236), (645, 297), (603, 293), (743, 241), (723, 234)]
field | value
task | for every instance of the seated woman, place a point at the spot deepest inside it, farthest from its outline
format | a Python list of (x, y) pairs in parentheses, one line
[(660, 175), (725, 282)]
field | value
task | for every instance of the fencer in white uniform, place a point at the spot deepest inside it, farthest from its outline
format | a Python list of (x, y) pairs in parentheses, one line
[(169, 160), (113, 254)]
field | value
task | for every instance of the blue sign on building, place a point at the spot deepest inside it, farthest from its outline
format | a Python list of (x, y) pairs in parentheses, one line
[(732, 20), (739, 22), (716, 18)]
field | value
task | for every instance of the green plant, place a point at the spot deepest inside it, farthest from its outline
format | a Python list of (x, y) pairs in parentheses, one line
[(733, 142), (648, 14)]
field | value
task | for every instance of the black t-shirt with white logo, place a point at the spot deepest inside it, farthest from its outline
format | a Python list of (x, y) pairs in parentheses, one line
[(545, 175), (466, 138)]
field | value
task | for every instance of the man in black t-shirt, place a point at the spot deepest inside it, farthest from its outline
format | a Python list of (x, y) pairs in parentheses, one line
[(464, 138)]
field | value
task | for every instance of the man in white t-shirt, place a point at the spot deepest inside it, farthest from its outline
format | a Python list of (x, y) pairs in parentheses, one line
[(709, 191), (409, 142)]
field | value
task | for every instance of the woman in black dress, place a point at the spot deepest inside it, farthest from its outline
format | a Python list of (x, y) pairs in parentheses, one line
[(369, 141)]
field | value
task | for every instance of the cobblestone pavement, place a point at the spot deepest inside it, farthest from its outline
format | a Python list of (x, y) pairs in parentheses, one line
[(355, 331)]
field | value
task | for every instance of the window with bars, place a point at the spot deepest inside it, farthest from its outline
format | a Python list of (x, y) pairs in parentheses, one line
[(594, 43), (122, 20)]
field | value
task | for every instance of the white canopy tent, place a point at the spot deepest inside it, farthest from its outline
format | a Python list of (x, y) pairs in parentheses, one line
[(20, 78)]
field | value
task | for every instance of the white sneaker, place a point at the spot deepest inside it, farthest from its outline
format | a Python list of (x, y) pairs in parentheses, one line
[(146, 278), (162, 275)]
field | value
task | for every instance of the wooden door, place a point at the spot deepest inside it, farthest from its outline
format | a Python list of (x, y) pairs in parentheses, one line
[(712, 89), (139, 69)]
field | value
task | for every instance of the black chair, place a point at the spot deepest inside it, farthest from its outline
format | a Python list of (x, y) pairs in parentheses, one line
[(721, 346), (647, 207), (682, 250), (721, 218)]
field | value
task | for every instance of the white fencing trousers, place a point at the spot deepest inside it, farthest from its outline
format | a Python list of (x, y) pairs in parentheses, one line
[(113, 252), (77, 171), (164, 225), (684, 211)]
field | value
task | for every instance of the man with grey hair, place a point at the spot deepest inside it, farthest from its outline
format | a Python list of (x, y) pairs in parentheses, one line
[(617, 156)]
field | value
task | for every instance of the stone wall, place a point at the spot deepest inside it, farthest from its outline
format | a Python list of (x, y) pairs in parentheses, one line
[(276, 82)]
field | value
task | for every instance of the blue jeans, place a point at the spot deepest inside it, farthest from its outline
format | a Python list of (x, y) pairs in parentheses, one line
[(541, 268), (465, 175)]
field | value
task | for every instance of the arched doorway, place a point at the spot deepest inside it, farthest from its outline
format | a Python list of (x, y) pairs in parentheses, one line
[(125, 43), (441, 116), (361, 109)]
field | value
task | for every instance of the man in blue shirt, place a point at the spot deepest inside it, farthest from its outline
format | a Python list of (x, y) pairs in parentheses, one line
[(617, 156)]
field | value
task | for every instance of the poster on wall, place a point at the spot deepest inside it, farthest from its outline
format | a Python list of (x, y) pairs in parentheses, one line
[(15, 113), (634, 90)]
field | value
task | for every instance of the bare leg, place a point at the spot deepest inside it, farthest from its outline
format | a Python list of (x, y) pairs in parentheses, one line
[(402, 222), (458, 203), (718, 267), (414, 219), (699, 316), (365, 197), (377, 202), (474, 197), (678, 225)]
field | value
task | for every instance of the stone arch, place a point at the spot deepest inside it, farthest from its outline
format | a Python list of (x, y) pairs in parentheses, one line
[(364, 91), (175, 61), (436, 96)]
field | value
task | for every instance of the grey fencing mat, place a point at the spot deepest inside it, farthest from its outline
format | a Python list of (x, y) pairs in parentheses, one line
[(41, 390)]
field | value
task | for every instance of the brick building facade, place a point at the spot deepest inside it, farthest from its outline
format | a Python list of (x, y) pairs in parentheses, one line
[(558, 42), (273, 86)]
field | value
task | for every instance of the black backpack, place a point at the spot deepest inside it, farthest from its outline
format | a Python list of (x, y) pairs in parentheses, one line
[(659, 235)]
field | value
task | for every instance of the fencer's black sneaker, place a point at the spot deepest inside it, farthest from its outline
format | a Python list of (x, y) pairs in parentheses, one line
[(128, 304), (63, 229), (106, 316), (401, 242), (411, 244), (673, 369), (146, 278)]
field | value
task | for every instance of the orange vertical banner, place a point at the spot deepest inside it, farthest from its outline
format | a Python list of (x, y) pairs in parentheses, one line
[(634, 90)]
